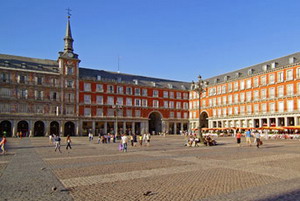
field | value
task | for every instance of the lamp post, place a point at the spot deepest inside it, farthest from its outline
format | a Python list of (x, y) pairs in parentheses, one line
[(199, 87), (117, 107)]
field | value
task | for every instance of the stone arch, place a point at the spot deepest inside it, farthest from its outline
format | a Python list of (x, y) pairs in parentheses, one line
[(69, 129), (54, 128), (23, 127), (204, 120), (39, 128), (155, 122), (5, 128)]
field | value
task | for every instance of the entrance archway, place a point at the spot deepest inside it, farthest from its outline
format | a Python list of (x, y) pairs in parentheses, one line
[(204, 120), (5, 128), (155, 123), (69, 129), (54, 128), (23, 127), (39, 128)]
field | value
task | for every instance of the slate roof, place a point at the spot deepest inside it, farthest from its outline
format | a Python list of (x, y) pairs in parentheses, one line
[(256, 69), (18, 62), (92, 74)]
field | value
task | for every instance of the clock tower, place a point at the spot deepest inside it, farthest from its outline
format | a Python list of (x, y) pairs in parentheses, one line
[(68, 63)]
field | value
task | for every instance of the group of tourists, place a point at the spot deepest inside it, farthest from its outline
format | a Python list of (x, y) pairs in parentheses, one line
[(56, 140), (193, 140), (249, 135)]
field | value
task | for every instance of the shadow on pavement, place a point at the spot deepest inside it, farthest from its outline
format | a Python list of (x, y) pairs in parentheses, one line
[(289, 196)]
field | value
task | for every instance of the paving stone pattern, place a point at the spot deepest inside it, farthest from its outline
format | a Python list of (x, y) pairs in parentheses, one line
[(166, 170)]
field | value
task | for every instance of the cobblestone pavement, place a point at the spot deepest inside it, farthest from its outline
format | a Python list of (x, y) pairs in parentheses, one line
[(166, 170)]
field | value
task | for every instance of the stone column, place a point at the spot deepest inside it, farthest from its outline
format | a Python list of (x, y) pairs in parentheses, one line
[(14, 127), (77, 128), (133, 128), (47, 128), (276, 122), (268, 122), (61, 127), (105, 127), (181, 126), (285, 121), (93, 127), (124, 126), (31, 128), (175, 128)]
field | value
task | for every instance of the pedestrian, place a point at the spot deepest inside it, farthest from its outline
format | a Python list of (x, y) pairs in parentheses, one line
[(238, 138), (257, 136), (124, 141), (248, 137), (148, 136), (68, 140), (57, 140), (141, 140), (134, 140), (131, 140), (2, 144), (50, 139), (99, 138)]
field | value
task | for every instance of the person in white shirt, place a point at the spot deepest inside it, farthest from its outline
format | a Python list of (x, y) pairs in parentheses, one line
[(124, 140)]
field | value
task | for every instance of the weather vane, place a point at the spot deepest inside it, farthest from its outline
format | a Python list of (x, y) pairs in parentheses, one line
[(69, 12)]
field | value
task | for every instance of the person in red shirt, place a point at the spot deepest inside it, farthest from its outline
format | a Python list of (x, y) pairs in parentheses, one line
[(2, 144), (238, 138)]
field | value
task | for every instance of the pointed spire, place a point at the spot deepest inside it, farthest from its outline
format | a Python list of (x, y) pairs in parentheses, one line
[(68, 38)]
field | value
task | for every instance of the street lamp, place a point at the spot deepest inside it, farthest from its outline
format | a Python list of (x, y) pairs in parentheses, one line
[(117, 108), (199, 87)]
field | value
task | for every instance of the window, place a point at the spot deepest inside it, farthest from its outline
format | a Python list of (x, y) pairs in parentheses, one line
[(155, 103), (289, 75), (264, 108), (128, 90), (281, 106), (22, 79), (280, 76), (242, 85), (39, 109), (256, 95), (272, 107), (224, 89), (272, 92), (249, 109), (224, 100), (5, 92), (111, 112), (87, 112), (110, 89), (4, 77), (219, 101), (99, 112), (129, 113), (290, 90), (87, 99), (242, 97), (256, 108), (263, 80), (137, 91), (39, 95), (137, 113), (242, 110), (236, 98), (23, 93), (219, 90), (280, 91), (248, 84), (298, 73), (120, 89), (298, 88), (69, 70), (230, 111), (87, 86), (230, 99), (171, 114), (214, 112), (236, 86), (271, 79), (229, 87), (166, 104), (69, 110), (178, 115), (69, 97), (186, 105), (178, 105), (99, 87), (236, 110), (185, 96), (23, 108), (99, 100), (185, 115), (155, 93), (249, 96), (54, 82), (171, 104), (110, 100), (70, 83), (171, 94), (263, 93), (39, 80), (4, 108), (255, 82), (53, 95), (129, 101), (138, 102), (224, 112), (144, 103), (119, 101), (145, 92), (178, 95), (290, 105)]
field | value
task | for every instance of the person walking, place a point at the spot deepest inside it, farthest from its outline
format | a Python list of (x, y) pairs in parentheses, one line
[(257, 136), (148, 136), (57, 140), (248, 137), (238, 138), (124, 140), (2, 144), (68, 140)]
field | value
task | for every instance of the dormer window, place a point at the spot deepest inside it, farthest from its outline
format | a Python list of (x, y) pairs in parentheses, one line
[(6, 63), (250, 71), (98, 77), (183, 87), (265, 67), (226, 78), (274, 65), (23, 65), (136, 82), (292, 60), (216, 80), (153, 84), (170, 86), (119, 79), (238, 74)]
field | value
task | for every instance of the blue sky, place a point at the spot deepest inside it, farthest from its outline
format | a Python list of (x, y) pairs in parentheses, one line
[(173, 39)]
